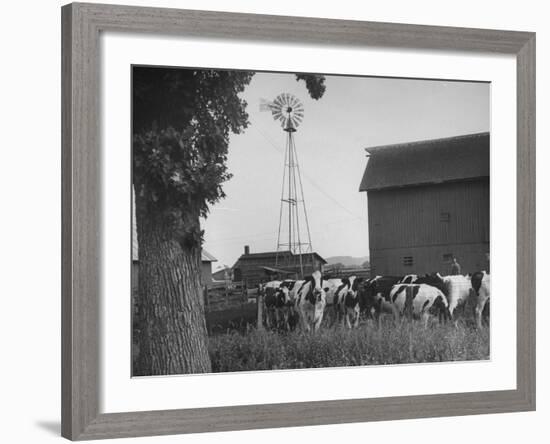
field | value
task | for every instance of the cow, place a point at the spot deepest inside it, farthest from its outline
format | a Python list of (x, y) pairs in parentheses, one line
[(332, 286), (374, 296), (293, 291), (435, 280), (271, 302), (346, 301), (285, 299), (481, 285), (311, 302), (458, 291), (418, 301), (408, 279)]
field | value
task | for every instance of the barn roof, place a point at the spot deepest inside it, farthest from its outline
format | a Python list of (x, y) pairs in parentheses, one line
[(427, 161)]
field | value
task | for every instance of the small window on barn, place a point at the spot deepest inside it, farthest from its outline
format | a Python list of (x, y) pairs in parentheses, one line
[(444, 216), (448, 258), (408, 261)]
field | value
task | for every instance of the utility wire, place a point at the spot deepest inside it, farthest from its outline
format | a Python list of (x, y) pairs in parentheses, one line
[(310, 180)]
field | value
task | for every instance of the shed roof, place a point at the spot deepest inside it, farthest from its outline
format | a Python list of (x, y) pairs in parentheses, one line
[(207, 257), (265, 254), (273, 270), (273, 255), (428, 161)]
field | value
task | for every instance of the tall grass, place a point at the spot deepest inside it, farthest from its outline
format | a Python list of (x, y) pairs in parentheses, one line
[(408, 342)]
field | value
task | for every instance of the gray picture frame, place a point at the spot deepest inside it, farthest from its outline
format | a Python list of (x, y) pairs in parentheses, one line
[(81, 174)]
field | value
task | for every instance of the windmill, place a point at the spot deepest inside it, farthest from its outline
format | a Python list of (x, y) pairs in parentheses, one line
[(289, 111)]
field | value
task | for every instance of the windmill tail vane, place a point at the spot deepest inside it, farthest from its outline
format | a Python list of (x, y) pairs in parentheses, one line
[(265, 105)]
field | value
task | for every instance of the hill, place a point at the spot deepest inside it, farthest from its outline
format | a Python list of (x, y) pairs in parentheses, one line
[(348, 261)]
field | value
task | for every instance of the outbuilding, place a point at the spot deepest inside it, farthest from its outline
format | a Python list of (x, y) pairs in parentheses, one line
[(428, 202), (254, 268)]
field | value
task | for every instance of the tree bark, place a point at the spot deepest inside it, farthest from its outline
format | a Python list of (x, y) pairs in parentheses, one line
[(172, 335)]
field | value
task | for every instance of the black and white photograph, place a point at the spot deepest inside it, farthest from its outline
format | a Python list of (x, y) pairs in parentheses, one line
[(285, 221), (275, 222)]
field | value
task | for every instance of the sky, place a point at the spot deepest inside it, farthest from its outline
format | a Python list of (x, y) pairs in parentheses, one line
[(354, 113)]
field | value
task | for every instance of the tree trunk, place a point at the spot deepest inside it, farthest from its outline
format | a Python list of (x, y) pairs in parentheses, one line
[(172, 335)]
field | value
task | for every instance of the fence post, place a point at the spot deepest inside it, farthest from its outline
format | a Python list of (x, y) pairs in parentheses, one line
[(259, 308)]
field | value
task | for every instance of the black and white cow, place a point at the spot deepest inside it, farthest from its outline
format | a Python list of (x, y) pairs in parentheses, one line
[(346, 302), (331, 288), (272, 302), (408, 279), (481, 285), (418, 301), (311, 302), (285, 299), (374, 296), (458, 291)]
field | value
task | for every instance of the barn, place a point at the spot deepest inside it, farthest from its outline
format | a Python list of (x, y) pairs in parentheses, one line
[(428, 202), (254, 268)]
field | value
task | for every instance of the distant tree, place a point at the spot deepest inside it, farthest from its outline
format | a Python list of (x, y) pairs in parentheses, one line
[(365, 264), (182, 120), (335, 268)]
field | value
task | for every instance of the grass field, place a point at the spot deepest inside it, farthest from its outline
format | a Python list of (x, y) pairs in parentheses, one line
[(253, 349)]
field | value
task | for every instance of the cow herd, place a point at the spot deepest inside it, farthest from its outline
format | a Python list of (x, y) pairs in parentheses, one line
[(289, 303)]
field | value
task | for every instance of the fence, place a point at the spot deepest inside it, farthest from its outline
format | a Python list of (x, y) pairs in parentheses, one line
[(221, 296), (346, 272)]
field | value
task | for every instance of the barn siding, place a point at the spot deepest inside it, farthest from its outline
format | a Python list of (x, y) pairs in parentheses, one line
[(430, 259), (408, 222)]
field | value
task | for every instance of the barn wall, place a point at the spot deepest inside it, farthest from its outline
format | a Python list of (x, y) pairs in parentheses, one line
[(430, 259), (429, 223)]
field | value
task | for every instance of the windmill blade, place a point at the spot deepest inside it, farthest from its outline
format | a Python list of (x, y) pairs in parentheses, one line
[(286, 108), (277, 114), (279, 101)]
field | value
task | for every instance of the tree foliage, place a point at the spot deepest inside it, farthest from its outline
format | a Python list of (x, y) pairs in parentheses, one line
[(182, 120), (315, 84)]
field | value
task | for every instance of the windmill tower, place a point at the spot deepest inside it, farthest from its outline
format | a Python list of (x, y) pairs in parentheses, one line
[(293, 233)]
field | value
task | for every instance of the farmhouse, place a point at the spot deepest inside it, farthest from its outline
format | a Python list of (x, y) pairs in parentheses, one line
[(428, 202), (254, 268)]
